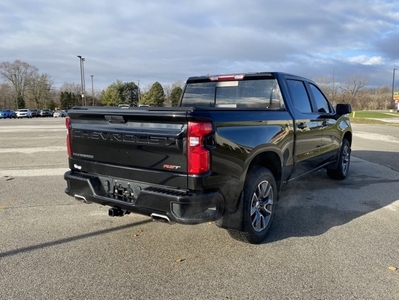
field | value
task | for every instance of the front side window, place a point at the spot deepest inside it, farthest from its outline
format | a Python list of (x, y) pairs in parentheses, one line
[(321, 101)]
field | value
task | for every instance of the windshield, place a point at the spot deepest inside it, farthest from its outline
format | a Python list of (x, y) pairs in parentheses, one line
[(264, 93)]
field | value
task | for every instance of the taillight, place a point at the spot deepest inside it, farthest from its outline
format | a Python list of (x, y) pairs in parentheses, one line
[(68, 136), (198, 157)]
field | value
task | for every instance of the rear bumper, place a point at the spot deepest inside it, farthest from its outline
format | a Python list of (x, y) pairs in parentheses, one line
[(178, 206)]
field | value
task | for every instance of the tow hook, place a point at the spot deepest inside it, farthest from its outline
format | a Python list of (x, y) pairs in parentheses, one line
[(117, 212)]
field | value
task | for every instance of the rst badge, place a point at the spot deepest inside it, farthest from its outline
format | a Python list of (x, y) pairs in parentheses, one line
[(171, 167)]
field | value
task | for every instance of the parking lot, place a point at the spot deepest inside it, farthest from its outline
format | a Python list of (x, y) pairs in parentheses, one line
[(330, 240), (31, 113)]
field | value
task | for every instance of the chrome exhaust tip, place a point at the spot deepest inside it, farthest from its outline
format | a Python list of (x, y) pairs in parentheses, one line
[(82, 199), (160, 218)]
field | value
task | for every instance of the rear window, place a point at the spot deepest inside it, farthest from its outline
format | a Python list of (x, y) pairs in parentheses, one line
[(261, 93)]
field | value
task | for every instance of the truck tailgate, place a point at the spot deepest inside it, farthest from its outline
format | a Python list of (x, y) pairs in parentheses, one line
[(136, 138)]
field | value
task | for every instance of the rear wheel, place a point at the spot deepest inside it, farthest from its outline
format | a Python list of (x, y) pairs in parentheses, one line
[(259, 202), (342, 170)]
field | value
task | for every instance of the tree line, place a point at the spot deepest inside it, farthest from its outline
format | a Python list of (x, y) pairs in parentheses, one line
[(354, 90), (25, 87), (23, 81)]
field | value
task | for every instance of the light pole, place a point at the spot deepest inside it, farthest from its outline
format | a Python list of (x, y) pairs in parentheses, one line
[(333, 91), (92, 89), (82, 78), (393, 88), (138, 92)]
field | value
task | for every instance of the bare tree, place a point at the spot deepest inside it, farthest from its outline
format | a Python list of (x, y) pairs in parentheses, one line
[(178, 83), (351, 89), (73, 88), (19, 74), (5, 96), (380, 97), (167, 90), (39, 88)]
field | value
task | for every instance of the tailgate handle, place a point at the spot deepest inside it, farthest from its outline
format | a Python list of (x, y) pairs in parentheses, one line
[(115, 119)]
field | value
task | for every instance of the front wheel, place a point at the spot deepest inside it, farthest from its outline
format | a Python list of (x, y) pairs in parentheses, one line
[(342, 170), (259, 203)]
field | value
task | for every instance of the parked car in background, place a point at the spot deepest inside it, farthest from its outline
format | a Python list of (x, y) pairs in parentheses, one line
[(35, 113), (46, 113), (60, 113), (24, 113), (7, 114)]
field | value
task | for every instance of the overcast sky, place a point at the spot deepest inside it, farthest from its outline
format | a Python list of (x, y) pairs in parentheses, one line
[(170, 40)]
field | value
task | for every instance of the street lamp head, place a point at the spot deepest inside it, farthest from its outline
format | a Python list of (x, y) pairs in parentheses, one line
[(80, 56)]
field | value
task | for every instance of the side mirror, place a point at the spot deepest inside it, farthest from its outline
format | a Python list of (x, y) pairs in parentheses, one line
[(343, 109)]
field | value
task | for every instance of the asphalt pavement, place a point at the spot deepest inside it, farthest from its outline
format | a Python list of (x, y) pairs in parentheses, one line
[(330, 240)]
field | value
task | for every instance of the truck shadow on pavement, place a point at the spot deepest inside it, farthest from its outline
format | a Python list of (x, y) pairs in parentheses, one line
[(314, 204), (70, 239)]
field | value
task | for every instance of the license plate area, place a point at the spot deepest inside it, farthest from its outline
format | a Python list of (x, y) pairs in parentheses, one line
[(122, 190)]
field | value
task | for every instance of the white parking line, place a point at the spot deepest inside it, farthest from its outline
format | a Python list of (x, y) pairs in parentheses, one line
[(376, 137), (33, 172), (13, 130), (33, 149)]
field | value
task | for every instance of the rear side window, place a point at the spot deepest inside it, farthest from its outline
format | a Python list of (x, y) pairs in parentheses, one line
[(261, 93), (199, 94), (299, 96)]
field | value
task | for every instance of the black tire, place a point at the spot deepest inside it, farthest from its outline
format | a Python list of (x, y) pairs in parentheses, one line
[(259, 203), (342, 170)]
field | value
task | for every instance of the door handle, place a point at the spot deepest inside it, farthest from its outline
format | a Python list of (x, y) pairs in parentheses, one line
[(302, 125)]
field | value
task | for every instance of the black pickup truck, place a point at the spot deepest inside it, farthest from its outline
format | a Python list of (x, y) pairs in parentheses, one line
[(222, 155)]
